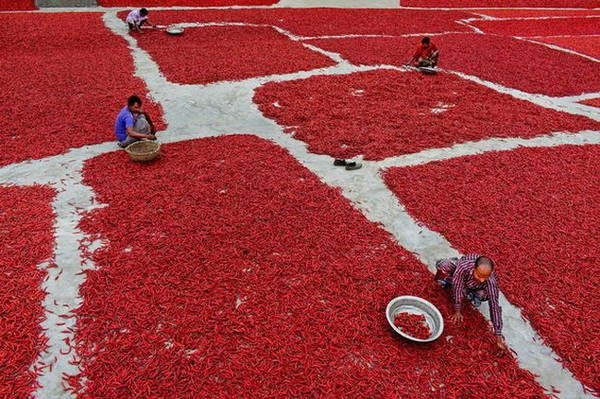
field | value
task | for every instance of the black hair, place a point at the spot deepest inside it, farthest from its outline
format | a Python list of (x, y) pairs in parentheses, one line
[(486, 260), (426, 40), (143, 12), (134, 100)]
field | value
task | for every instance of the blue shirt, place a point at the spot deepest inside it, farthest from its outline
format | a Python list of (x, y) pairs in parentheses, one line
[(124, 120)]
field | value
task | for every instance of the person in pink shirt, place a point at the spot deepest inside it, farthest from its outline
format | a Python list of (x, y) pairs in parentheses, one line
[(137, 18)]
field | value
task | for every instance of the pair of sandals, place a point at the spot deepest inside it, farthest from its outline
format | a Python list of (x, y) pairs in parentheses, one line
[(347, 165)]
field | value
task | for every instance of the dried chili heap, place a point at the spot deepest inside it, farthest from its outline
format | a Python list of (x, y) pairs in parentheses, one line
[(229, 53), (316, 22), (570, 74), (45, 91), (414, 325), (342, 107), (241, 259), (17, 5), (546, 27), (175, 3), (497, 3), (556, 192), (26, 219)]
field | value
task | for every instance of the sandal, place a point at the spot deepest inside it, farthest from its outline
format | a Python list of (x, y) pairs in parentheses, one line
[(353, 165)]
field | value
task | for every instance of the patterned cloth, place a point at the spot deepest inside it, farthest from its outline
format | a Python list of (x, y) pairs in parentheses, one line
[(458, 274), (141, 125)]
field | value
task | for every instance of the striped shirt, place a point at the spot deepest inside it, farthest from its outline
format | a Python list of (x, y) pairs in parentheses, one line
[(463, 282)]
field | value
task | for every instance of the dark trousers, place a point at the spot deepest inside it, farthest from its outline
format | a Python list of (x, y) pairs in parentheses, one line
[(132, 26)]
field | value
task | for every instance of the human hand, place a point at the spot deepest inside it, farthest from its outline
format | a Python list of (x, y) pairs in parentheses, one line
[(500, 343), (456, 318), (151, 136)]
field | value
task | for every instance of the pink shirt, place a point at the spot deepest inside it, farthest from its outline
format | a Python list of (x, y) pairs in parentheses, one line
[(134, 17)]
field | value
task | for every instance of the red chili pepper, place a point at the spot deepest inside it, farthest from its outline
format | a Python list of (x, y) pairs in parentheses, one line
[(26, 217), (499, 3), (311, 320), (195, 3), (14, 5), (318, 22), (555, 192), (234, 59), (412, 324), (48, 81), (459, 53), (594, 102), (334, 120), (588, 46), (544, 27), (65, 352)]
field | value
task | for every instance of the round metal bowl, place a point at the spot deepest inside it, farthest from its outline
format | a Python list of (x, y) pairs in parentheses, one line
[(174, 30), (416, 305), (428, 70), (143, 151)]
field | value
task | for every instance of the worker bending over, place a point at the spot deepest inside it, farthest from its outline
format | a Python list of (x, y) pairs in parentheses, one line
[(473, 277), (426, 55)]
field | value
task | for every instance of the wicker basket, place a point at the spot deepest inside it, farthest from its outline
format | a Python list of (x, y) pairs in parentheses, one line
[(143, 151)]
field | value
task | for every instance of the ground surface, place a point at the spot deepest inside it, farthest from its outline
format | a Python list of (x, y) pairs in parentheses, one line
[(242, 263)]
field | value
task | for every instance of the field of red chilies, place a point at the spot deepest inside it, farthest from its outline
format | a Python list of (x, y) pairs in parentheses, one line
[(6, 5), (189, 3), (536, 212), (501, 3), (493, 58), (533, 13), (242, 263), (326, 21), (379, 114), (585, 45), (542, 27), (257, 293), (60, 89), (26, 233), (217, 53)]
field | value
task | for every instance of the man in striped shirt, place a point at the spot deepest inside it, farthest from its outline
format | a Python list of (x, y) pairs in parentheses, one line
[(472, 276)]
